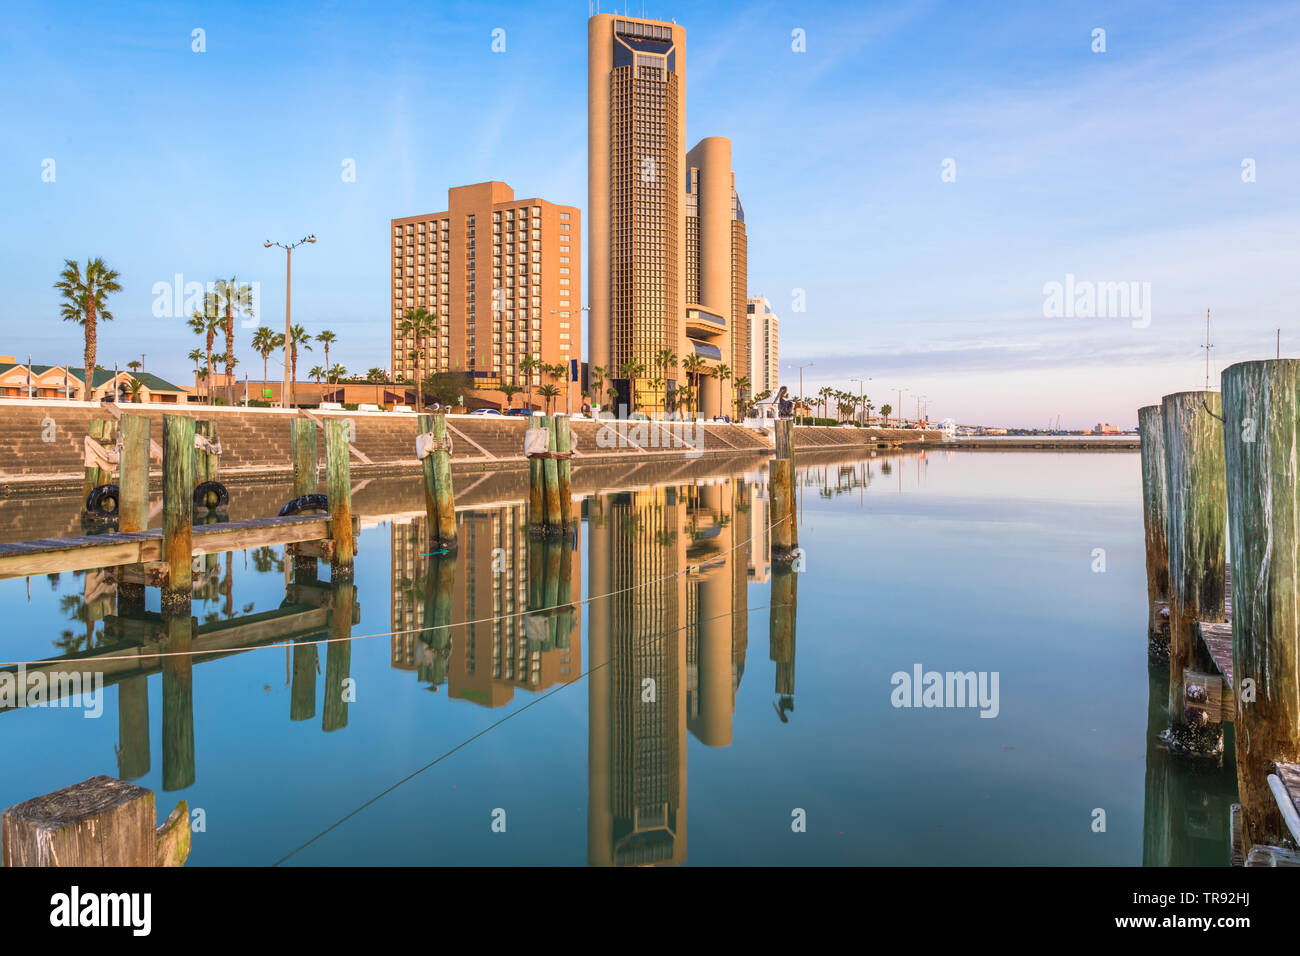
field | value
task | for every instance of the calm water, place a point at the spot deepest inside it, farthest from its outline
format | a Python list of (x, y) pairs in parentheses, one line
[(688, 707)]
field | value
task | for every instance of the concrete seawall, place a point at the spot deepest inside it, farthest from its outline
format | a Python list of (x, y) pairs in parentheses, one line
[(41, 444)]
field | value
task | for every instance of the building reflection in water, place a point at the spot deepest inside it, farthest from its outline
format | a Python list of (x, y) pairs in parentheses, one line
[(495, 579), (666, 655)]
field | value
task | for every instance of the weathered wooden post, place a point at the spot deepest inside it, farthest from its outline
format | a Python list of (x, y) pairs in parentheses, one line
[(102, 432), (338, 654), (783, 433), (566, 618), (551, 471), (205, 459), (439, 499), (338, 485), (178, 507), (98, 822), (1155, 522), (1261, 402), (1197, 513), (564, 448), (536, 442), (306, 477), (133, 475), (306, 460)]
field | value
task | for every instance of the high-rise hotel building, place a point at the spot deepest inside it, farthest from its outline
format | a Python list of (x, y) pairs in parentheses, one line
[(667, 254), (764, 363), (503, 278)]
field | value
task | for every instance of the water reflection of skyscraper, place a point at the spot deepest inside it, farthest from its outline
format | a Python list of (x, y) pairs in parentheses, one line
[(666, 655)]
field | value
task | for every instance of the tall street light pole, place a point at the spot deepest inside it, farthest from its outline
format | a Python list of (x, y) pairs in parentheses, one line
[(287, 387), (898, 409), (862, 384), (801, 368)]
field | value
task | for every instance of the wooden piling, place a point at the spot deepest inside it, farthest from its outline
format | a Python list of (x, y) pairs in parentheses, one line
[(1261, 402), (1196, 502), (205, 463), (302, 688), (564, 446), (439, 498), (338, 484), (133, 475), (781, 513), (178, 504), (105, 433), (783, 433), (306, 461), (551, 472), (536, 484), (98, 822), (1155, 522)]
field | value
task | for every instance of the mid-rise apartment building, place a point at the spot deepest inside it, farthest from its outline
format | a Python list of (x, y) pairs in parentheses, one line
[(764, 366), (502, 276)]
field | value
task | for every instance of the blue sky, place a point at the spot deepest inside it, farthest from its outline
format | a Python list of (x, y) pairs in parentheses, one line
[(1122, 166)]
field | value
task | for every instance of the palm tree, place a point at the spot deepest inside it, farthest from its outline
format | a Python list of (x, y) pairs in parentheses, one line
[(264, 343), (297, 336), (527, 365), (230, 296), (417, 323), (741, 385), (337, 372), (134, 366), (196, 356), (664, 360), (326, 338), (631, 370), (598, 374), (207, 323), (134, 386), (824, 393), (884, 412), (509, 391), (548, 392), (693, 366), (86, 303), (723, 372), (317, 373)]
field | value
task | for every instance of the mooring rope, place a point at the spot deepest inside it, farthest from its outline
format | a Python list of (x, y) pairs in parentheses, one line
[(469, 740)]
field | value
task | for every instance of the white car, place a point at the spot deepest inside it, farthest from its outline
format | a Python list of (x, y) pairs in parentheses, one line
[(486, 411)]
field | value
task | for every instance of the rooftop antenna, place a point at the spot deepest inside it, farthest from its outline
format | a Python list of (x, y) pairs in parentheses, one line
[(1207, 346)]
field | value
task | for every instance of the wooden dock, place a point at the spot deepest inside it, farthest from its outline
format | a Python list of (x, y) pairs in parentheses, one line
[(112, 549)]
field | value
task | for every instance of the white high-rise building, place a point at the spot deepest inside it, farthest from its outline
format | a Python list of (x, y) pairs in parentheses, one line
[(764, 363)]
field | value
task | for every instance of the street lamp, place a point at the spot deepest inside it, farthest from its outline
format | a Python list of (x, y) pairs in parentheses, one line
[(801, 368), (862, 384), (898, 409), (287, 387)]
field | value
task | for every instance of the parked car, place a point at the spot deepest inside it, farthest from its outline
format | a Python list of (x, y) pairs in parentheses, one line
[(520, 411), (485, 411)]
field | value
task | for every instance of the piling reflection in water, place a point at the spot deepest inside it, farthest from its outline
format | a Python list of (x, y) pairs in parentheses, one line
[(1188, 799)]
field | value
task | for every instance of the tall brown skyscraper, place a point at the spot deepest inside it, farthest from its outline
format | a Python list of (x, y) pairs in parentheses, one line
[(667, 259)]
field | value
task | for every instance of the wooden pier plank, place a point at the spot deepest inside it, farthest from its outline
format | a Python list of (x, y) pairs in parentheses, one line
[(48, 555), (1217, 641)]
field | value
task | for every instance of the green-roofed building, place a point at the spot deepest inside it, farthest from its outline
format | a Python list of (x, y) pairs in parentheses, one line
[(66, 382)]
